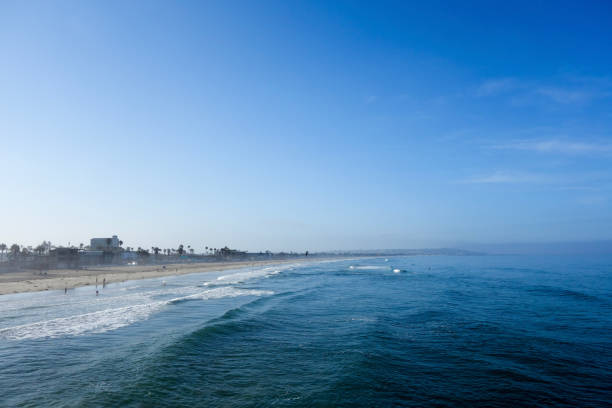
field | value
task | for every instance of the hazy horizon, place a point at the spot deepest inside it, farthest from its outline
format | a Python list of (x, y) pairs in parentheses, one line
[(593, 247), (305, 125)]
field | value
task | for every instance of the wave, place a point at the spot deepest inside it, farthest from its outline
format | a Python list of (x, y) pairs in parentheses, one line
[(239, 319), (247, 317), (563, 293), (369, 267), (241, 277), (95, 322), (222, 292), (111, 319)]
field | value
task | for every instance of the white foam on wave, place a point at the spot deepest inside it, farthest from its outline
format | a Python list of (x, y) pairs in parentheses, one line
[(112, 319), (240, 277), (95, 322), (221, 292), (370, 267)]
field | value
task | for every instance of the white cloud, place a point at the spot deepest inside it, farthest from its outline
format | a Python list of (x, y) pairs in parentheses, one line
[(558, 146), (567, 92), (567, 96), (501, 177), (592, 200), (496, 86), (580, 181)]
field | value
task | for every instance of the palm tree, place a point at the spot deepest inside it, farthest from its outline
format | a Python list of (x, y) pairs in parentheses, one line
[(15, 249), (2, 249), (42, 248)]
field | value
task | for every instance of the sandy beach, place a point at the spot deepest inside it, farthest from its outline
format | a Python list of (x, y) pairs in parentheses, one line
[(59, 279)]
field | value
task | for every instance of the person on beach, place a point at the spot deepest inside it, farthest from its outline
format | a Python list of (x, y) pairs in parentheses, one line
[(104, 283)]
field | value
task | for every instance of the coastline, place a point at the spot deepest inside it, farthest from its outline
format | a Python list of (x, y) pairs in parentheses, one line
[(60, 279)]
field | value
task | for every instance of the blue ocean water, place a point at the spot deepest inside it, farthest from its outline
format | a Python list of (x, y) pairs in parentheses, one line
[(494, 331)]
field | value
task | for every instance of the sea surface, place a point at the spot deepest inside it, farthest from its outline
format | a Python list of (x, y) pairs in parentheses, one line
[(478, 331)]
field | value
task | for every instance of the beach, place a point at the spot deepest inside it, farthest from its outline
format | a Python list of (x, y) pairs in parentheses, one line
[(60, 279)]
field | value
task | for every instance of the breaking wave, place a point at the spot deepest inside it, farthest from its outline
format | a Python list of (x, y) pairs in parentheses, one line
[(112, 319), (243, 276)]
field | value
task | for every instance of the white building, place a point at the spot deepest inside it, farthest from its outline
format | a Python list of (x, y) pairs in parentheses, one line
[(105, 244)]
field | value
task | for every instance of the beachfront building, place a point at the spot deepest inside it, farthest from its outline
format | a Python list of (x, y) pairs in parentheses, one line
[(105, 244)]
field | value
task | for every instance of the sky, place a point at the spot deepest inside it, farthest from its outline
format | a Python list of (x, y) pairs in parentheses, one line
[(314, 125)]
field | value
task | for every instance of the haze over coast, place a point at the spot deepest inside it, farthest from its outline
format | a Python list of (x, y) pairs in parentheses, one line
[(105, 261)]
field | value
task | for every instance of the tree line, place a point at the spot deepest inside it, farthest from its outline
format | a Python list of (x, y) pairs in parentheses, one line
[(45, 248)]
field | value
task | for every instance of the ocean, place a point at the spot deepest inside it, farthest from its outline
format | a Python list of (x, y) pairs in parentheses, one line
[(472, 331)]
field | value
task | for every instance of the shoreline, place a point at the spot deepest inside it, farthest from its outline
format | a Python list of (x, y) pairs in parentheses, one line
[(60, 279)]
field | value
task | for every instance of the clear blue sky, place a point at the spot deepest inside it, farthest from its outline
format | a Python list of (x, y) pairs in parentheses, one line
[(305, 125)]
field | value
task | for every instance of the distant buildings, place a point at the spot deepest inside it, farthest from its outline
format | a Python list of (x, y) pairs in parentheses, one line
[(64, 254), (226, 252), (105, 244)]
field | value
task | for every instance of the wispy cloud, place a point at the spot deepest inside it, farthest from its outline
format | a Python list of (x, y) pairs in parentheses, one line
[(558, 146), (496, 86), (592, 200), (567, 96), (575, 181), (574, 91), (501, 177)]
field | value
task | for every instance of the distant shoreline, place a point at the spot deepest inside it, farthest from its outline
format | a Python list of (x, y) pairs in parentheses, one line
[(60, 279)]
